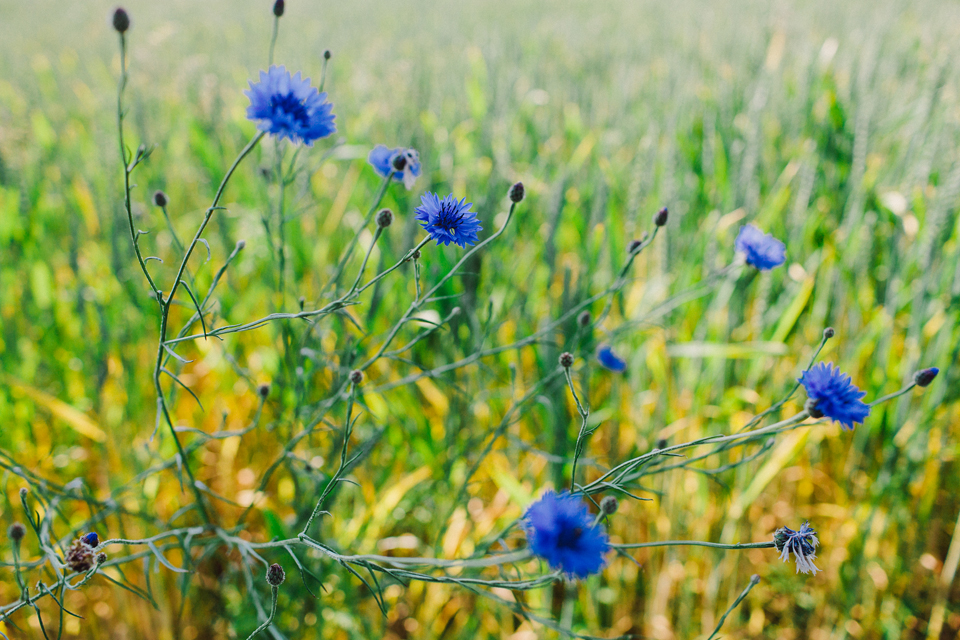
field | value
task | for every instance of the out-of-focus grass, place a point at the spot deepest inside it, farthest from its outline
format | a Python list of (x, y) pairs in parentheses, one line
[(832, 125)]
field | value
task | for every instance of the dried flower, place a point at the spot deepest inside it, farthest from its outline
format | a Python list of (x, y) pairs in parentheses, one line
[(802, 544)]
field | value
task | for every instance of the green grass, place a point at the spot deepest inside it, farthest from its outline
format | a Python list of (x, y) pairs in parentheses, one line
[(832, 126)]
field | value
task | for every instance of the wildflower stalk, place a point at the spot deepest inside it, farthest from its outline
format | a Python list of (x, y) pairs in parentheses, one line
[(584, 414), (754, 581), (891, 396), (275, 591), (696, 543), (353, 242)]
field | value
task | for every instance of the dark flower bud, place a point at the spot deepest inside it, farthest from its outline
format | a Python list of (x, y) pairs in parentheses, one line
[(160, 198), (416, 254), (609, 505), (566, 359), (634, 246), (517, 192), (660, 219), (356, 376), (811, 408), (278, 8), (264, 390), (925, 376), (302, 302), (23, 492), (91, 539), (662, 443), (828, 333), (399, 162), (121, 21), (16, 532), (584, 319), (384, 218), (275, 575), (327, 54), (101, 558)]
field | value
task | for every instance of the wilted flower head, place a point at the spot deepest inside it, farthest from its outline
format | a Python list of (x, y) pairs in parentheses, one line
[(561, 530), (610, 360), (448, 220), (402, 164), (833, 395), (763, 251), (802, 544), (288, 107), (80, 556)]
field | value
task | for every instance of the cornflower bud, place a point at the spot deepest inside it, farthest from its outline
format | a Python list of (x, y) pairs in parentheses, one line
[(566, 359), (356, 376), (121, 21), (275, 575), (584, 318), (634, 245), (278, 8), (302, 302), (23, 492), (160, 198), (660, 219), (264, 390), (828, 333), (384, 218), (517, 192), (16, 532), (609, 505), (327, 54), (925, 376), (101, 558)]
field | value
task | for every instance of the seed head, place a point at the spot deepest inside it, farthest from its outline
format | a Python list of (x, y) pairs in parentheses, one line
[(384, 218), (828, 333), (517, 192), (275, 575), (264, 390), (356, 376), (79, 556), (660, 218), (278, 8), (160, 198), (925, 376), (121, 21), (609, 505), (584, 318), (566, 359), (16, 532)]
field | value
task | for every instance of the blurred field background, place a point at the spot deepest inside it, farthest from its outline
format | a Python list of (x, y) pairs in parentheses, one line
[(832, 125)]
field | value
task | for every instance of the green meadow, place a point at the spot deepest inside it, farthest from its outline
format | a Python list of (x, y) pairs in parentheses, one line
[(833, 126)]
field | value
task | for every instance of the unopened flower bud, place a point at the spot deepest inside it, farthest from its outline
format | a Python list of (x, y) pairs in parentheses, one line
[(327, 54), (302, 301), (160, 198), (278, 8), (566, 359), (23, 492), (517, 192), (264, 390), (811, 407), (455, 312), (925, 376), (384, 218), (584, 319), (16, 532), (356, 376), (275, 575), (101, 558), (91, 539), (609, 505), (660, 219), (634, 246), (828, 333), (121, 21)]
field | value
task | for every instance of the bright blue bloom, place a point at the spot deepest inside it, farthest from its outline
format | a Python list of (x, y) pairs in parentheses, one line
[(802, 544), (385, 162), (91, 539), (561, 530), (763, 250), (610, 360), (288, 107), (448, 220), (832, 395)]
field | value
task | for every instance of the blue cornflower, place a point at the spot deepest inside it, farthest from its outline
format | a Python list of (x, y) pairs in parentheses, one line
[(403, 164), (448, 220), (288, 107), (763, 250), (92, 539), (802, 544), (831, 394), (561, 530), (610, 360)]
